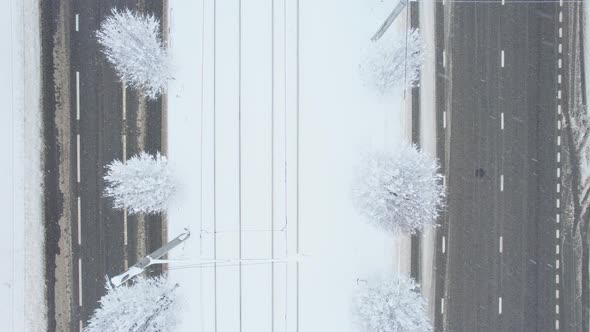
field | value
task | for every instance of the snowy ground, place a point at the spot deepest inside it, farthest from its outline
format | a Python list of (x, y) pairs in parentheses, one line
[(587, 50), (266, 119), (428, 132), (21, 240)]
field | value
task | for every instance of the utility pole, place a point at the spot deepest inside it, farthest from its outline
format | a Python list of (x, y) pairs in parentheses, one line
[(153, 258), (394, 14)]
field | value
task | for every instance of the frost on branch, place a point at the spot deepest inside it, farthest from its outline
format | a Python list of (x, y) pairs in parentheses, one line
[(142, 185), (401, 191), (148, 305), (394, 61), (133, 44), (390, 304)]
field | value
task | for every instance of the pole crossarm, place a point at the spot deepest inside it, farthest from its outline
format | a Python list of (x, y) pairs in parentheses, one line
[(394, 14)]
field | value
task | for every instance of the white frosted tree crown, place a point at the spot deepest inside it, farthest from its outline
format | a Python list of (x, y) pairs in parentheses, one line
[(390, 304), (146, 305), (142, 184), (399, 191), (133, 45), (394, 61)]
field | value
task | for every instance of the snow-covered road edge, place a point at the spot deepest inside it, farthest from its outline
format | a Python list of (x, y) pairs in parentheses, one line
[(22, 285), (428, 140)]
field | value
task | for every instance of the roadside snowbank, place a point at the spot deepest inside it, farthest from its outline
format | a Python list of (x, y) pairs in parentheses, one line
[(22, 284)]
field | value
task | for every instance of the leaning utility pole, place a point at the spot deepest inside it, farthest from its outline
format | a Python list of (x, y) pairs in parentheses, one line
[(394, 14), (153, 258)]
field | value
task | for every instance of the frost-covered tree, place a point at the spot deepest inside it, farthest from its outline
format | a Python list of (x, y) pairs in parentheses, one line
[(142, 184), (132, 43), (390, 304), (147, 304), (401, 191), (394, 61)]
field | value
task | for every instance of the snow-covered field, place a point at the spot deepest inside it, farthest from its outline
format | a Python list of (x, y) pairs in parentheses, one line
[(266, 119), (21, 240)]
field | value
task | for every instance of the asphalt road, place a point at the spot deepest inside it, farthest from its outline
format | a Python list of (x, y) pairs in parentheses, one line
[(97, 135), (502, 268)]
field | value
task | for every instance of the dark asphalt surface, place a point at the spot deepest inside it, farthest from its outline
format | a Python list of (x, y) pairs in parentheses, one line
[(474, 90), (100, 127)]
